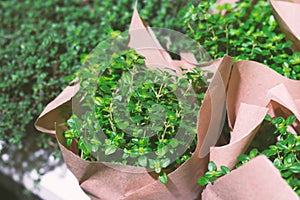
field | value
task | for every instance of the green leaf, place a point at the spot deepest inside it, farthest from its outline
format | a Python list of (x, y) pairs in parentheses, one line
[(174, 142), (165, 162), (157, 170), (151, 163), (289, 159), (278, 120), (212, 179), (163, 178), (225, 170), (142, 161), (253, 153), (218, 173), (209, 174), (295, 169), (110, 150), (290, 120), (212, 166), (286, 174), (99, 101), (203, 181), (277, 162), (268, 118), (281, 145), (162, 151), (269, 152), (69, 141), (243, 158)]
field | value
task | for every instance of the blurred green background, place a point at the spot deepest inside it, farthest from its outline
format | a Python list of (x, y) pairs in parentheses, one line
[(42, 43)]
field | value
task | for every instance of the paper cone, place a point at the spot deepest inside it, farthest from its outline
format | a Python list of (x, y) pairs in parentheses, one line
[(287, 14)]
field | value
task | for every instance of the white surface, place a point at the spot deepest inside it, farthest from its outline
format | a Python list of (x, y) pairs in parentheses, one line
[(59, 184)]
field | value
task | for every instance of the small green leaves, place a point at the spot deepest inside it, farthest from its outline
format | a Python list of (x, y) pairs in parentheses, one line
[(225, 170), (212, 174), (110, 149), (282, 124), (162, 151), (295, 168), (203, 181), (156, 165), (253, 153), (278, 120), (268, 118), (174, 143), (211, 166), (277, 162), (69, 141), (290, 120), (243, 158), (165, 162), (163, 178), (142, 161), (269, 152), (138, 112)]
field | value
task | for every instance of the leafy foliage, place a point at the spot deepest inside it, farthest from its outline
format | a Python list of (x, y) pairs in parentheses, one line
[(246, 32), (134, 116)]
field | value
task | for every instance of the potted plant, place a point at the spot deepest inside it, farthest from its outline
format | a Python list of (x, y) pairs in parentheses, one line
[(151, 144)]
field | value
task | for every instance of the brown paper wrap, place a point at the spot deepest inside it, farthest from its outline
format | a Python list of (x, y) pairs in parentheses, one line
[(287, 14), (258, 179)]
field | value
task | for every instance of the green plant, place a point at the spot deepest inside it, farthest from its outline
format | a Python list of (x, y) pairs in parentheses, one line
[(246, 31), (136, 115), (284, 154)]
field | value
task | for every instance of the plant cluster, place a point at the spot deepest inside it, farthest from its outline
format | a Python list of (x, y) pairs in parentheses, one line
[(285, 155), (135, 115), (245, 31)]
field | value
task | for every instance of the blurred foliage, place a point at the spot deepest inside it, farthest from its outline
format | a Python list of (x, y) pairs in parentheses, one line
[(246, 31), (42, 43)]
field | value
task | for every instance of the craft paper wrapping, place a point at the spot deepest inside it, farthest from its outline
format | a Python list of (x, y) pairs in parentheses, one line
[(258, 179), (288, 15), (254, 90), (113, 181)]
